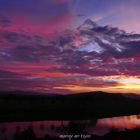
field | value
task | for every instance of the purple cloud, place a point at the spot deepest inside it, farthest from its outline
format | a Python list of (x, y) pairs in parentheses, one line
[(88, 51)]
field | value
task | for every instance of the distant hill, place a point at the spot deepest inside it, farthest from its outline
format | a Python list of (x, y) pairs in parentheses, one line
[(96, 94), (29, 106)]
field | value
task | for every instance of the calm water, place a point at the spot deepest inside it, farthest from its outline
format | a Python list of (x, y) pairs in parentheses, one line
[(55, 128)]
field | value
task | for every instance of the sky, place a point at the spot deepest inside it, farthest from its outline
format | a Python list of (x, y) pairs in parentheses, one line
[(70, 46)]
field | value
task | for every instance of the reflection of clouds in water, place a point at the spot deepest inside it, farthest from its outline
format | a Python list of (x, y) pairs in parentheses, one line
[(41, 128), (120, 123), (55, 128)]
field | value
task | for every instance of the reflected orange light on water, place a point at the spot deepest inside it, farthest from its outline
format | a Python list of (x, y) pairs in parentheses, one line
[(103, 126)]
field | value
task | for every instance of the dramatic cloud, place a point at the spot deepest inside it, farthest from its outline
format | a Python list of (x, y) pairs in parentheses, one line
[(83, 59), (51, 46)]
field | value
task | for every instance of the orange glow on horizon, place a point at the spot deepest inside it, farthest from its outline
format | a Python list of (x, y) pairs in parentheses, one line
[(121, 88)]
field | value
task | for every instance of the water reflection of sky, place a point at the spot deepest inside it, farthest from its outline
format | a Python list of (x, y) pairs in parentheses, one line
[(103, 126), (55, 128)]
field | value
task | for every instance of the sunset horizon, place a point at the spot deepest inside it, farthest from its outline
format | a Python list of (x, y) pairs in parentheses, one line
[(68, 47), (69, 69)]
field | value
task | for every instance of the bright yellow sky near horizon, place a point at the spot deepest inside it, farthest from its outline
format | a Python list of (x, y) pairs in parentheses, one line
[(126, 84)]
